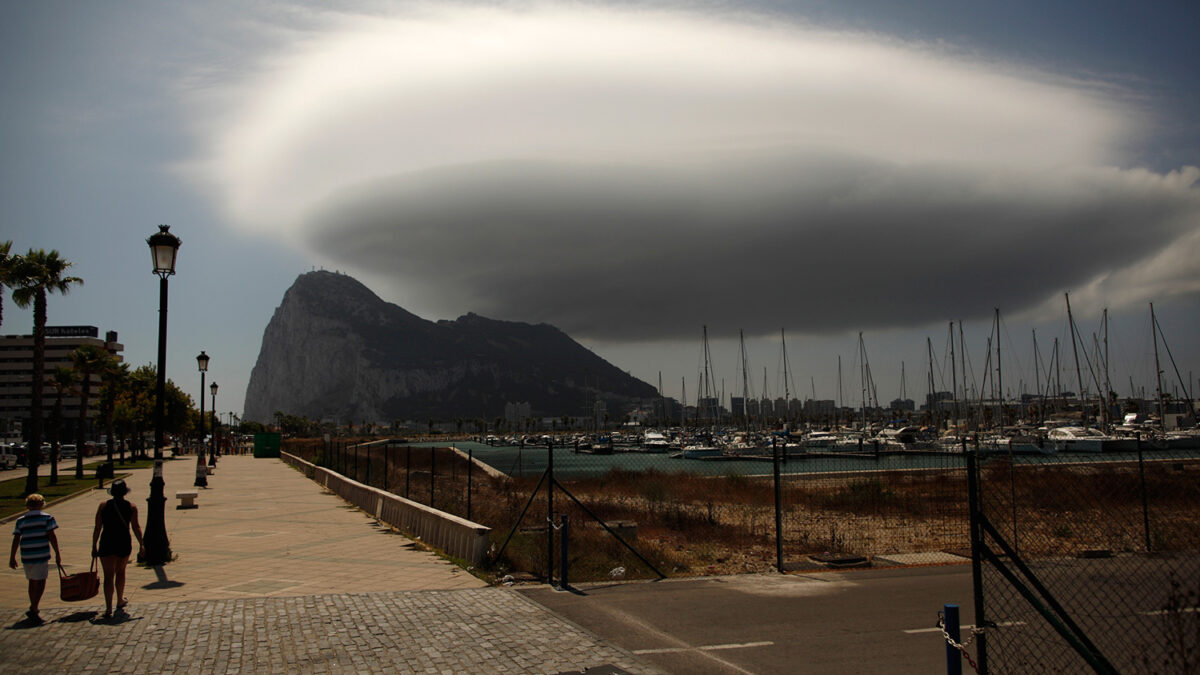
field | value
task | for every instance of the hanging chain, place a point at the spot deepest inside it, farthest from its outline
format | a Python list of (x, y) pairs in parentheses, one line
[(960, 646)]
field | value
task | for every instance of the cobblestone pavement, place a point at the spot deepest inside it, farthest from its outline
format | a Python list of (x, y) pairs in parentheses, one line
[(487, 630)]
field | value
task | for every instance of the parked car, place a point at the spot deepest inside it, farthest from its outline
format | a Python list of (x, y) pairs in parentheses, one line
[(8, 458), (67, 451)]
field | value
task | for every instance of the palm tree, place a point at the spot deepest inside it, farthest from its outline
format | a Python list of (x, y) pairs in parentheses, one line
[(6, 265), (34, 275), (64, 381), (88, 360), (115, 379), (6, 268)]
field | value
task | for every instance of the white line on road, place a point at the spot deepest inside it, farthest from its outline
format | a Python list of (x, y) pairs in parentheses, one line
[(704, 648), (1181, 610), (965, 626)]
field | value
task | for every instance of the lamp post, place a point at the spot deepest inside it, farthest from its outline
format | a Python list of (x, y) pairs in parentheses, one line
[(202, 362), (164, 247), (212, 455)]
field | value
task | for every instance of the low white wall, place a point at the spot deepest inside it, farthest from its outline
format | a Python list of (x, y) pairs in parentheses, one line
[(456, 536)]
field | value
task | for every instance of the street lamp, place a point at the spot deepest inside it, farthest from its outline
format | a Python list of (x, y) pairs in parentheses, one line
[(202, 362), (212, 455), (164, 247)]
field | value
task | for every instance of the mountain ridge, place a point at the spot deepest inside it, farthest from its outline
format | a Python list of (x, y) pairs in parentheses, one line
[(335, 350)]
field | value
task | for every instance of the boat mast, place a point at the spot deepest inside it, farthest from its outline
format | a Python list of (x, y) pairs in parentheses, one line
[(745, 383), (954, 379), (1162, 418), (862, 380), (1107, 382), (683, 403), (707, 385), (963, 355), (1078, 372), (999, 373), (787, 392), (1058, 402), (1037, 379), (662, 399), (935, 406), (1178, 376), (838, 415)]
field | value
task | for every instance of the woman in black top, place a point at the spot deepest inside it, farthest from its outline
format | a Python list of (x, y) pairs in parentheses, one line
[(110, 543)]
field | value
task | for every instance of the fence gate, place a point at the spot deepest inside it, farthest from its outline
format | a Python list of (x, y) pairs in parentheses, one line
[(1086, 562)]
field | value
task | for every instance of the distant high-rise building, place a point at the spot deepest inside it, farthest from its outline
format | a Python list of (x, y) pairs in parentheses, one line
[(819, 408), (753, 409), (516, 414), (16, 371)]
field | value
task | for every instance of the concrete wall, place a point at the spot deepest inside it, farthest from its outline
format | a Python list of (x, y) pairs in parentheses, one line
[(456, 536)]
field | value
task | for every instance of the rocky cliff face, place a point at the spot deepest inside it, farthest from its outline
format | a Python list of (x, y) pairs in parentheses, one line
[(335, 350)]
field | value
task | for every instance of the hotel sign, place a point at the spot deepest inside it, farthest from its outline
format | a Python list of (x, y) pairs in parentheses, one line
[(72, 331)]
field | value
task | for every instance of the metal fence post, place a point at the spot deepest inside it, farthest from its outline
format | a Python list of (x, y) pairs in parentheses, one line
[(432, 473), (370, 456), (407, 468), (974, 501), (1145, 499), (386, 464), (563, 568), (550, 513), (470, 469), (778, 508), (950, 624)]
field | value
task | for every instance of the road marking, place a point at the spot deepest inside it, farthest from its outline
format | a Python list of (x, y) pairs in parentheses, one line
[(965, 626), (1171, 611), (704, 648)]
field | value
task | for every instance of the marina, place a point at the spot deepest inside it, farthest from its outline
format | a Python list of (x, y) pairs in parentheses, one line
[(531, 461)]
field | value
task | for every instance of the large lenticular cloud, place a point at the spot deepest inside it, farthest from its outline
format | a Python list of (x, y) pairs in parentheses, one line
[(630, 174)]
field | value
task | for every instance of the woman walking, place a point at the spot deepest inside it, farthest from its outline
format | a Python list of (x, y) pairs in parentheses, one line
[(110, 543)]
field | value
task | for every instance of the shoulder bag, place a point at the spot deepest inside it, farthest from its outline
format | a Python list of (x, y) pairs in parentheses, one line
[(80, 586)]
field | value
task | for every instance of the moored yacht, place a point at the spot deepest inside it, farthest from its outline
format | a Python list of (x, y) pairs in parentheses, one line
[(1076, 439)]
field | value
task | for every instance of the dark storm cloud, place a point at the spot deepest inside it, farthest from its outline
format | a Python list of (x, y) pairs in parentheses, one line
[(631, 173), (650, 252)]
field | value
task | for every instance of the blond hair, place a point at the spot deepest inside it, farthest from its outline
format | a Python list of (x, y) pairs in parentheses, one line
[(35, 501)]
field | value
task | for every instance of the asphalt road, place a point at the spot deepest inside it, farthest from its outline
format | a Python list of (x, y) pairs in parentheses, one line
[(861, 621)]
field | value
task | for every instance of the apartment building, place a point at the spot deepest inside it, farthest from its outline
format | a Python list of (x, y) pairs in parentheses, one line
[(16, 370)]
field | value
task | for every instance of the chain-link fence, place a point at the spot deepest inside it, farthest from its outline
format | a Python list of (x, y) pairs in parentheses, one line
[(635, 512), (1087, 560), (1090, 561)]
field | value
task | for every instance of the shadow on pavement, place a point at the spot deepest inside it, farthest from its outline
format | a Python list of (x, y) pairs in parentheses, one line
[(163, 581), (77, 617)]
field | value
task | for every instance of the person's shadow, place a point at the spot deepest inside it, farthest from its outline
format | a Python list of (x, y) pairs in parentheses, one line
[(163, 581), (25, 624), (118, 617)]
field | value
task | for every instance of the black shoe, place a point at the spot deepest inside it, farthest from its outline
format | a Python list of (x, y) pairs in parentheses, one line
[(33, 618)]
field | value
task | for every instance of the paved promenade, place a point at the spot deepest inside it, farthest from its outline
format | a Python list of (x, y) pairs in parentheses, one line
[(273, 574)]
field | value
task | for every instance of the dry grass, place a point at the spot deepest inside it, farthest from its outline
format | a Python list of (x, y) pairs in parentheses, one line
[(697, 525)]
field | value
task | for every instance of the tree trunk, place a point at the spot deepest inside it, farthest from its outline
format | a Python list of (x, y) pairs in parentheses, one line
[(33, 454), (55, 439), (81, 431), (109, 425)]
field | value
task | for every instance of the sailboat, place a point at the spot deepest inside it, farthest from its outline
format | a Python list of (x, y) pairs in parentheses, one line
[(704, 446)]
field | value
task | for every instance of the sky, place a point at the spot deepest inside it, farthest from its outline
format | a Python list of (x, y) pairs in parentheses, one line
[(636, 174)]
